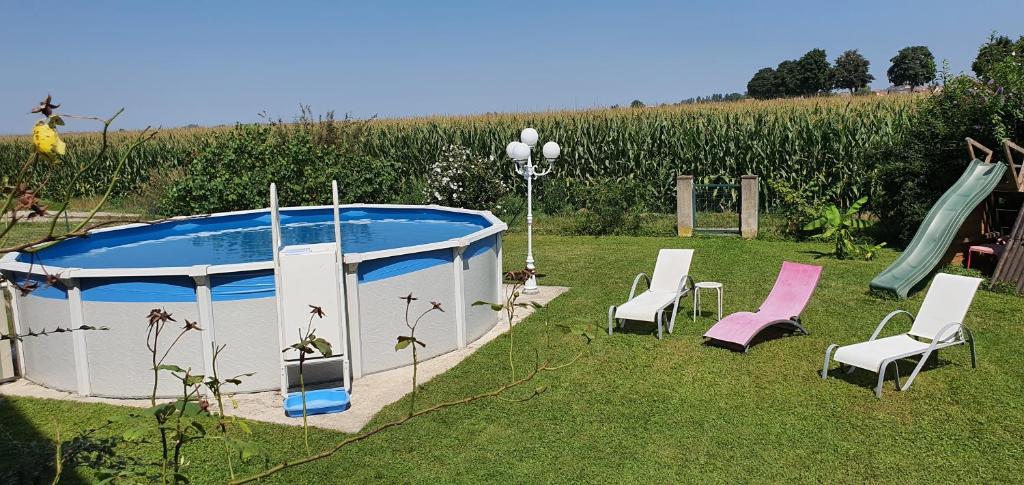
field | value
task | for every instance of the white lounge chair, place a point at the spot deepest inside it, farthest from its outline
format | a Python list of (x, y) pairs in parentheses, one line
[(939, 324), (669, 283)]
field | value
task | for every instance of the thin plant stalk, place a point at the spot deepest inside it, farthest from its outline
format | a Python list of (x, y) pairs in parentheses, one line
[(302, 390), (59, 458), (404, 341), (220, 407)]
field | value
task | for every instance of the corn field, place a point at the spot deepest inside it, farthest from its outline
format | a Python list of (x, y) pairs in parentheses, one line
[(825, 147), (171, 148), (829, 146)]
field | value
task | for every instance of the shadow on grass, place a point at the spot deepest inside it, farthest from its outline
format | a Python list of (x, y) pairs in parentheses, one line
[(769, 334), (27, 454), (637, 327), (869, 380), (817, 254)]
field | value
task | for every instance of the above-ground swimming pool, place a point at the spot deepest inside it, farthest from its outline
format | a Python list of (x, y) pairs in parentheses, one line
[(218, 270)]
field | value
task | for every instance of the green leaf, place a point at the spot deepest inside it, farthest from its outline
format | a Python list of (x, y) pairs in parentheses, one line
[(494, 306), (855, 208), (402, 343), (190, 410), (832, 215), (858, 223), (246, 449), (160, 410), (323, 346), (170, 367), (815, 224), (136, 434), (193, 380)]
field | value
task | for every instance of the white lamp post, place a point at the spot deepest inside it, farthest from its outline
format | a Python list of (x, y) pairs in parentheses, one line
[(521, 152)]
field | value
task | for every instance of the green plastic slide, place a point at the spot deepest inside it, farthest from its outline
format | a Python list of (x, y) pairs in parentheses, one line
[(939, 228)]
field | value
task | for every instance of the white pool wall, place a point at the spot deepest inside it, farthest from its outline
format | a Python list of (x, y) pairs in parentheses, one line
[(116, 363)]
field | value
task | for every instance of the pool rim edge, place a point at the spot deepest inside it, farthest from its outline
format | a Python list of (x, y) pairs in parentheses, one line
[(9, 262)]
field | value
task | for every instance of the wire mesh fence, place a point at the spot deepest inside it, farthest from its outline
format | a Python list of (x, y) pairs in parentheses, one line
[(717, 208)]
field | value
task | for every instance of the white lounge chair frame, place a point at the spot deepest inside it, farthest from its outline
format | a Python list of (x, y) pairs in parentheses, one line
[(682, 288), (952, 333)]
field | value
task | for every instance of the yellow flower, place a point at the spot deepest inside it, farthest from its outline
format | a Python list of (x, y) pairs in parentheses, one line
[(47, 143)]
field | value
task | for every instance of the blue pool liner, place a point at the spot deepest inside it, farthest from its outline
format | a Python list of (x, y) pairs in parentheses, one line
[(480, 246), (379, 269), (130, 289), (246, 238), (242, 286), (320, 401)]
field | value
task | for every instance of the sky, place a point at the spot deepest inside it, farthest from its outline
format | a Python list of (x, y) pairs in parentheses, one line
[(178, 63)]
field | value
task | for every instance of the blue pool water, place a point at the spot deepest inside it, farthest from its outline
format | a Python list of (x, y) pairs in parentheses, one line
[(245, 238)]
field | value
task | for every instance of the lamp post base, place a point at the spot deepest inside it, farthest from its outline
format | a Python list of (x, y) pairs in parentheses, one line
[(530, 287)]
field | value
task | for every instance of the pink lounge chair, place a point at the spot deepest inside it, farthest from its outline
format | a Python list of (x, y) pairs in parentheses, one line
[(792, 291)]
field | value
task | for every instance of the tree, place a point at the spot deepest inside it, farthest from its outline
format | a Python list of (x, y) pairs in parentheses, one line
[(851, 71), (996, 50), (637, 104), (787, 78), (813, 73), (764, 84), (914, 66)]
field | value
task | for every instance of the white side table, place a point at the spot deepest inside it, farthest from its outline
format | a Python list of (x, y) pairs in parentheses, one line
[(707, 285)]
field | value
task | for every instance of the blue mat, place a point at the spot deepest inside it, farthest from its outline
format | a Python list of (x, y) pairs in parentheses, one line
[(321, 401)]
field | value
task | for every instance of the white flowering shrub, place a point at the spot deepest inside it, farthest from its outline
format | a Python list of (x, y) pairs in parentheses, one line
[(460, 178)]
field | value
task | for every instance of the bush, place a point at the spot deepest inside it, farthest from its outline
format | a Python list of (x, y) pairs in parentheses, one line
[(149, 196), (795, 207), (233, 172), (510, 207), (460, 178), (838, 227), (554, 194), (609, 207)]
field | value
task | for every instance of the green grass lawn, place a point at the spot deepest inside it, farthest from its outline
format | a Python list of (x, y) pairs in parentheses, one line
[(639, 409)]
